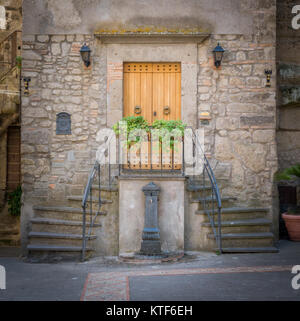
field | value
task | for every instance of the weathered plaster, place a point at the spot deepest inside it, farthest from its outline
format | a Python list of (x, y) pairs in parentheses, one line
[(132, 214), (85, 17)]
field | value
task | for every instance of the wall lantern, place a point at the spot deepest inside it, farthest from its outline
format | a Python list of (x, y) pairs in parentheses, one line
[(26, 85), (218, 55), (268, 73), (85, 52)]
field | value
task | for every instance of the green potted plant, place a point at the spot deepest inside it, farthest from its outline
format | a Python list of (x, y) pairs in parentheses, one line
[(133, 123), (167, 126), (292, 216)]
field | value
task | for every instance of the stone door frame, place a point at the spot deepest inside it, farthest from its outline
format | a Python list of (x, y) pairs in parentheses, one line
[(185, 53)]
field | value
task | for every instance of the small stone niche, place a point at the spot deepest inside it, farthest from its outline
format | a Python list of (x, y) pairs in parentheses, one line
[(63, 124)]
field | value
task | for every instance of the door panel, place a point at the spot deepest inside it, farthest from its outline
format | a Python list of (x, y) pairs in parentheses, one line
[(153, 90), (152, 87)]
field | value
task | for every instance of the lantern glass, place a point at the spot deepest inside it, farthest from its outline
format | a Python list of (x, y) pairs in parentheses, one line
[(218, 55), (85, 52)]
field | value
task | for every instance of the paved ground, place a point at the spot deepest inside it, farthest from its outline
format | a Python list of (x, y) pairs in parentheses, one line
[(199, 276)]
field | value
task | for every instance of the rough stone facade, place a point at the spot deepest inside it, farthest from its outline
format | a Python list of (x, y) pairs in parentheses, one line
[(239, 136)]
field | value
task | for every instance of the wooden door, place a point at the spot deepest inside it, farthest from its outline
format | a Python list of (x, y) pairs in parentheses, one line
[(152, 90)]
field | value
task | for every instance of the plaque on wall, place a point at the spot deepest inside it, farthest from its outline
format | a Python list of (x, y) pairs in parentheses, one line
[(63, 124)]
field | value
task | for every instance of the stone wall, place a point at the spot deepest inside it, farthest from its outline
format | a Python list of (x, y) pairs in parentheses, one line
[(55, 166), (240, 135)]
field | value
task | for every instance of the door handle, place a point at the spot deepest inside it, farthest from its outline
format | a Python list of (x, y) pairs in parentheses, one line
[(154, 113), (137, 109), (167, 110)]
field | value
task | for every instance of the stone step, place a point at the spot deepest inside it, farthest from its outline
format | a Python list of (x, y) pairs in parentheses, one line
[(10, 240), (63, 212), (229, 240), (243, 226), (59, 226), (233, 213), (106, 188), (40, 250), (58, 235), (57, 238), (197, 188), (94, 199), (211, 199), (269, 249), (9, 230), (244, 235)]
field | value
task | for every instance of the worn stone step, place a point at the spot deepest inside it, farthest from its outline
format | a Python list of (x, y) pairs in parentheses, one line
[(106, 188), (8, 230), (57, 238), (197, 188), (244, 235), (233, 213), (58, 235), (244, 240), (211, 199), (243, 226), (55, 248), (63, 212), (59, 226), (10, 240), (94, 199), (268, 249)]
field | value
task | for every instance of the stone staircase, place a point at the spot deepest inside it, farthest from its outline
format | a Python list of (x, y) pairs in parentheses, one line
[(56, 231), (244, 229)]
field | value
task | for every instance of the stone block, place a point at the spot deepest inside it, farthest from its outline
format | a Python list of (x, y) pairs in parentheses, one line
[(264, 136), (43, 38), (55, 49), (257, 121), (223, 148)]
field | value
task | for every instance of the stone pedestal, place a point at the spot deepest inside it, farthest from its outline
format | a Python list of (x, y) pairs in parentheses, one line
[(151, 236)]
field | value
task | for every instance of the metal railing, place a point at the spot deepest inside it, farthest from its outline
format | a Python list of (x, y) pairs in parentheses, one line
[(151, 157), (8, 52), (211, 206), (88, 198)]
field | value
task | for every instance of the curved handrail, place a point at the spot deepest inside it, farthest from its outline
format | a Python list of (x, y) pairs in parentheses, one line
[(88, 199), (89, 185), (214, 185), (88, 194)]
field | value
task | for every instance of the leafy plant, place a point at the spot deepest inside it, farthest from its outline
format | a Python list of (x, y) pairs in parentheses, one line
[(19, 61), (133, 123), (14, 202), (294, 210), (289, 173), (166, 127)]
